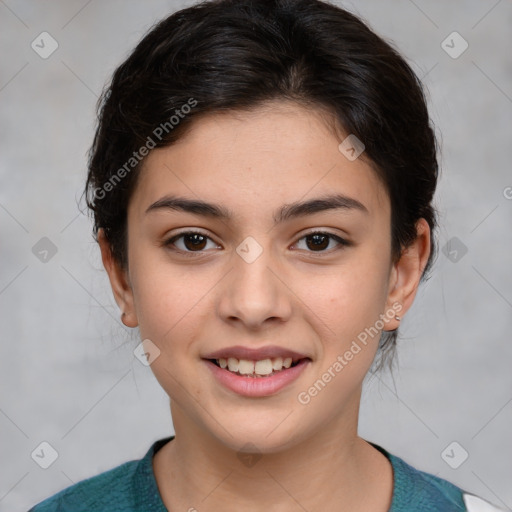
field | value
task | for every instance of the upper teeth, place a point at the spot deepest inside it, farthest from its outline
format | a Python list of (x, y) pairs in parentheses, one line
[(263, 367)]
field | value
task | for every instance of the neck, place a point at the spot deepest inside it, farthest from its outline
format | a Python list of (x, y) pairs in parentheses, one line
[(332, 466)]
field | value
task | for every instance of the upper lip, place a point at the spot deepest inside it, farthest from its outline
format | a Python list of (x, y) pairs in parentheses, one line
[(255, 354)]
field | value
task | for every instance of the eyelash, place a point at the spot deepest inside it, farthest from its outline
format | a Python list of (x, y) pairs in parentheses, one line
[(341, 241)]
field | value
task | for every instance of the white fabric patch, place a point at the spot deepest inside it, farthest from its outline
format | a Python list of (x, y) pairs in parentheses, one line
[(475, 504)]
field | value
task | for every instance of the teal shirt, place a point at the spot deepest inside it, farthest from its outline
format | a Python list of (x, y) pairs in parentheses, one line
[(131, 487)]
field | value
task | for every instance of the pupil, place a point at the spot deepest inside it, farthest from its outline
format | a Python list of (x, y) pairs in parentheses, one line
[(197, 240), (318, 243)]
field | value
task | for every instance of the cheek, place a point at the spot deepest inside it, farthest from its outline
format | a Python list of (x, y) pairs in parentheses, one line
[(167, 298), (170, 304), (351, 298)]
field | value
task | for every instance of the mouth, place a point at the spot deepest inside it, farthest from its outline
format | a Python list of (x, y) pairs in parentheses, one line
[(256, 372), (257, 369)]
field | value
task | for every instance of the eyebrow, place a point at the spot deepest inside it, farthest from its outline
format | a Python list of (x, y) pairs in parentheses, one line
[(286, 212)]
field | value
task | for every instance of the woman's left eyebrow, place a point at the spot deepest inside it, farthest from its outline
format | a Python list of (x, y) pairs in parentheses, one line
[(338, 202)]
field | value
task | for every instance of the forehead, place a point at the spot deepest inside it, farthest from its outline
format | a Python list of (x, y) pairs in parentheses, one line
[(256, 161)]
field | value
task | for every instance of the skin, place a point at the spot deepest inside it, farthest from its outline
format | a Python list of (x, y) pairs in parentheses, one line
[(313, 301)]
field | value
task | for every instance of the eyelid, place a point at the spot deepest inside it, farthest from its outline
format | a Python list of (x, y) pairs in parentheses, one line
[(324, 231), (189, 231)]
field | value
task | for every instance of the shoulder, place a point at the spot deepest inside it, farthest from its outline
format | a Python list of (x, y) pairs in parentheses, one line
[(129, 487), (95, 493), (416, 491)]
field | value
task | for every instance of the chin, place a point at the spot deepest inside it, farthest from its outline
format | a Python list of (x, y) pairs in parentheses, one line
[(270, 435)]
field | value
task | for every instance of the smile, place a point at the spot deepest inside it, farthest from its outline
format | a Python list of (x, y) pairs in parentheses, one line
[(256, 369), (256, 379)]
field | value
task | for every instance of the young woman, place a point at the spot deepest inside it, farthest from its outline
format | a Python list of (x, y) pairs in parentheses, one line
[(261, 181)]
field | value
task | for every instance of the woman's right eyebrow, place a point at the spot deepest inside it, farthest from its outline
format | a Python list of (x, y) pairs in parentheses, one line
[(338, 202)]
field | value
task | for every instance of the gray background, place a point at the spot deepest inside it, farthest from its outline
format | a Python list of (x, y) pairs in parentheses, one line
[(68, 373)]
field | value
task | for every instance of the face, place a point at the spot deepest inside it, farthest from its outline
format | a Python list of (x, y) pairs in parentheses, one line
[(267, 279)]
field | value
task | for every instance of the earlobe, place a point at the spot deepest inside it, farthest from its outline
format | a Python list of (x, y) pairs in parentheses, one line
[(119, 282), (407, 271)]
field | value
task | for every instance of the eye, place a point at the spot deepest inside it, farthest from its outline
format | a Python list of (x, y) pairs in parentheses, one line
[(196, 241), (320, 240), (193, 241)]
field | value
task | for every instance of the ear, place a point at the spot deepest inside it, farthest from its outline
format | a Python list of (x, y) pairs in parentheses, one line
[(119, 282), (406, 273)]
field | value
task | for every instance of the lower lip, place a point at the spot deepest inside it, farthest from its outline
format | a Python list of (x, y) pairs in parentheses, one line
[(257, 386)]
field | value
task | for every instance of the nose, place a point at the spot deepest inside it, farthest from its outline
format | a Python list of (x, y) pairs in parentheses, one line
[(255, 292)]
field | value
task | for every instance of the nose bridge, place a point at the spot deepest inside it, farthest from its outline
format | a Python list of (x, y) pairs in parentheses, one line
[(253, 292)]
